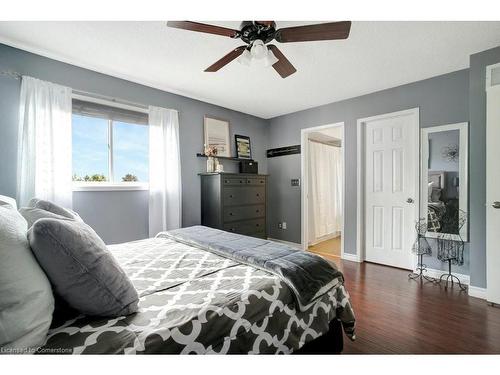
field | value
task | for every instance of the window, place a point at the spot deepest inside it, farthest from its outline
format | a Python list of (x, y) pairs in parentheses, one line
[(110, 146)]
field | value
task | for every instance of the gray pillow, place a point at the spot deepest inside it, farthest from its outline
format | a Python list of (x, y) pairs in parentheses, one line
[(54, 208), (26, 299), (32, 214), (81, 269)]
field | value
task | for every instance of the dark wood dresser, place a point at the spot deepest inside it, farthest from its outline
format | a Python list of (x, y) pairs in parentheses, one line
[(234, 202)]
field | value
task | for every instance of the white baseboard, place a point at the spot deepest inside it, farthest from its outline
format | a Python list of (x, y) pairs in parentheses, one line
[(436, 274), (351, 257), (475, 291), (292, 244)]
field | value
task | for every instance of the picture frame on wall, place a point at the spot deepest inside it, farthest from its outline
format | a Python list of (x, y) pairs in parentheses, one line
[(243, 148), (216, 134)]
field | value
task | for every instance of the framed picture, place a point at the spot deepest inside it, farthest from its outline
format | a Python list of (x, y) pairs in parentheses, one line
[(216, 133), (243, 150)]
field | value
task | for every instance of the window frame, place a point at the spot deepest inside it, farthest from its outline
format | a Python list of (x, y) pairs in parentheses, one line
[(109, 185)]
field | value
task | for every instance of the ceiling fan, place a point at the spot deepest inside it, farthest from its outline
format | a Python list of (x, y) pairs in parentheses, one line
[(257, 35)]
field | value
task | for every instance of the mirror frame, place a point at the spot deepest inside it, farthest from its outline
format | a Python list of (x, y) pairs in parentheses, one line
[(463, 195)]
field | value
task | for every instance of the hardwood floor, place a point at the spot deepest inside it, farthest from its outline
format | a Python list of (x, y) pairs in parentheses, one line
[(328, 248), (397, 315)]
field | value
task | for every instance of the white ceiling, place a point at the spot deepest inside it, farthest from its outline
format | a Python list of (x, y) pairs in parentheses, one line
[(377, 55)]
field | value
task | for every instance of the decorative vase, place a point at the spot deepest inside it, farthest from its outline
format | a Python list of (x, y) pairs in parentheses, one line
[(210, 164), (216, 165)]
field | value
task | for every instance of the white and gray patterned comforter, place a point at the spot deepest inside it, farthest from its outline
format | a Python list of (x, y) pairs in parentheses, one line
[(193, 301)]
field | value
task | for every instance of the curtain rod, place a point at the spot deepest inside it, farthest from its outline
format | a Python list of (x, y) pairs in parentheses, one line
[(11, 74), (109, 99), (18, 76)]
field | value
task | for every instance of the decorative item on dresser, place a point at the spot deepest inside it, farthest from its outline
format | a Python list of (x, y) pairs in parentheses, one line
[(234, 202), (212, 162), (243, 148), (216, 135)]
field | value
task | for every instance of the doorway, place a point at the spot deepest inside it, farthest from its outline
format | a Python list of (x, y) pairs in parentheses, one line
[(388, 186), (323, 162)]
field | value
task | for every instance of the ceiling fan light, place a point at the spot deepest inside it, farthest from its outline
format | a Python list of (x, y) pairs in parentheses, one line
[(245, 58), (258, 50), (270, 58)]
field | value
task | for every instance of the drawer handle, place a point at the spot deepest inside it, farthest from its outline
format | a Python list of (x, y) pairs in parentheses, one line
[(226, 181), (258, 225), (257, 195), (230, 214), (241, 181), (230, 195), (257, 211), (261, 181)]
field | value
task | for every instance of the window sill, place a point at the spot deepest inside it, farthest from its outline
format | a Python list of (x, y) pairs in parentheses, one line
[(99, 186)]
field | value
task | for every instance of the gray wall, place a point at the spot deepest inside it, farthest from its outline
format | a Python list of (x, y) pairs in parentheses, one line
[(120, 216), (477, 166), (445, 99), (442, 100)]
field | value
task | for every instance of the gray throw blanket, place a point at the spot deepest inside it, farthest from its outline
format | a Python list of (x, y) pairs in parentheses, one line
[(307, 275)]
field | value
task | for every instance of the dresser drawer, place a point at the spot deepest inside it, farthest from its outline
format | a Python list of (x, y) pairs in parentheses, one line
[(248, 227), (256, 181), (233, 196), (235, 213), (234, 181)]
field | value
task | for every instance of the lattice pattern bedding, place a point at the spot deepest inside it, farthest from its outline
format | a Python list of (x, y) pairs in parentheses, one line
[(192, 301)]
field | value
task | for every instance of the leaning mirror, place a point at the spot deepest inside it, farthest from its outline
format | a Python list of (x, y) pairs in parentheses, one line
[(444, 198)]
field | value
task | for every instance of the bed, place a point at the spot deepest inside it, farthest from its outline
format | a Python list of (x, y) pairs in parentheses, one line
[(194, 301)]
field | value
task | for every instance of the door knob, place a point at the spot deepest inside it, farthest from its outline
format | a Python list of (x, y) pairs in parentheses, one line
[(496, 204), (409, 200)]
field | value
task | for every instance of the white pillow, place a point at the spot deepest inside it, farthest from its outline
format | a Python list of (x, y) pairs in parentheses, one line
[(26, 299), (5, 200)]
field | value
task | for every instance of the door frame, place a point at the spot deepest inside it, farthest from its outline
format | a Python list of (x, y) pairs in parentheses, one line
[(304, 171), (490, 88), (360, 179)]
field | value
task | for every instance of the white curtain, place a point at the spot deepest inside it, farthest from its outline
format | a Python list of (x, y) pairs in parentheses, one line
[(165, 200), (44, 143), (326, 175)]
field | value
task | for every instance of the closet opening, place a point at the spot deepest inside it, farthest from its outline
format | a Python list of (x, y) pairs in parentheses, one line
[(323, 190)]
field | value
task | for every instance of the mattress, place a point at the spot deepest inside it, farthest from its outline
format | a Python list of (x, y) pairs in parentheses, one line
[(193, 301)]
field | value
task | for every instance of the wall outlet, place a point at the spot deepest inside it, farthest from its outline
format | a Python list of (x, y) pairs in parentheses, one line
[(295, 181), (284, 225)]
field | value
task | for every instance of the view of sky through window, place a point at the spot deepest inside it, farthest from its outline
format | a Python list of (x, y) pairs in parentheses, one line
[(130, 151), (90, 150)]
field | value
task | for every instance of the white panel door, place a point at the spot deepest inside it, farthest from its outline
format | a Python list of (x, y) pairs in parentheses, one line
[(493, 195), (391, 187)]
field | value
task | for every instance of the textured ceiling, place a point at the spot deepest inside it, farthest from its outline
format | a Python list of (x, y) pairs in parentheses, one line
[(377, 55)]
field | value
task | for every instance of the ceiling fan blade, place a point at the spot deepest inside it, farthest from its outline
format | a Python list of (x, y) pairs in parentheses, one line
[(204, 28), (282, 66), (226, 59), (322, 31)]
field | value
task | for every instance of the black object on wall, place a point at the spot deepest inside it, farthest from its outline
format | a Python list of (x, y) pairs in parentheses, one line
[(282, 151)]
